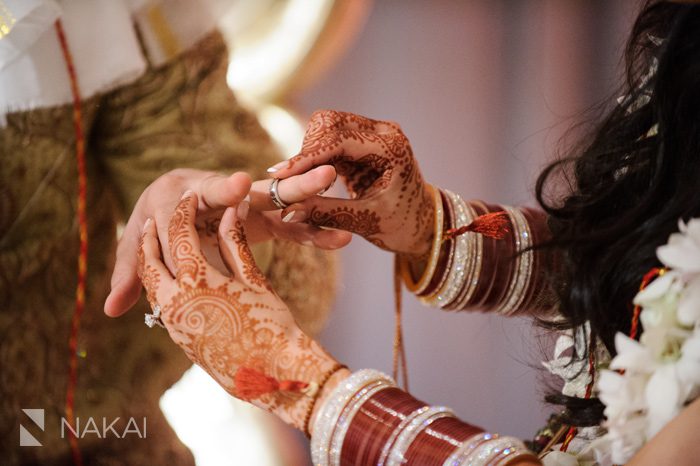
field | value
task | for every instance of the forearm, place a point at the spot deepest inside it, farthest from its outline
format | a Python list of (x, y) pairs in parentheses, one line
[(676, 443), (477, 271), (365, 419)]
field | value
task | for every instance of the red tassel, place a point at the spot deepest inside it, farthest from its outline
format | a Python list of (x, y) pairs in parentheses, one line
[(251, 384), (492, 225)]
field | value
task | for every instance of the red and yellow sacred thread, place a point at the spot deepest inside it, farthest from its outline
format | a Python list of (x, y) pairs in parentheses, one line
[(82, 230), (648, 278)]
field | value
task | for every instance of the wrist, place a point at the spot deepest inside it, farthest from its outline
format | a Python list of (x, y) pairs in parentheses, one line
[(418, 270), (426, 218)]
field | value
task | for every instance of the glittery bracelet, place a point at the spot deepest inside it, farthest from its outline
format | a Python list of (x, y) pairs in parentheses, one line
[(473, 276), (488, 449), (412, 429), (520, 279), (332, 408), (348, 415), (458, 267), (445, 260), (387, 448), (376, 426), (307, 418), (472, 266)]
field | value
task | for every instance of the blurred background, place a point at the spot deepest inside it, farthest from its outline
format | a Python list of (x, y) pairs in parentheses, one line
[(485, 90)]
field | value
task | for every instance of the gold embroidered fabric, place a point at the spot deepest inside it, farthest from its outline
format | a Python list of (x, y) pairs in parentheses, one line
[(180, 115)]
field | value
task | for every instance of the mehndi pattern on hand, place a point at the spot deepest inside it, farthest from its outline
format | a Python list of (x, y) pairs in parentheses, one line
[(223, 322)]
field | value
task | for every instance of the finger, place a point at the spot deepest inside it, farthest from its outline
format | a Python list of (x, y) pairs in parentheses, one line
[(236, 253), (328, 239), (219, 191), (355, 216), (293, 189), (308, 235), (154, 276), (185, 250), (323, 122), (125, 284), (353, 121), (333, 146), (335, 119)]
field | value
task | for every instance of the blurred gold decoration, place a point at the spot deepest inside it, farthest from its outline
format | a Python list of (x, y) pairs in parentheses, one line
[(279, 47)]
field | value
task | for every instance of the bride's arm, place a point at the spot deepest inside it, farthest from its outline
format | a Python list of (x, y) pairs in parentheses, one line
[(244, 336), (676, 443), (393, 207), (364, 419)]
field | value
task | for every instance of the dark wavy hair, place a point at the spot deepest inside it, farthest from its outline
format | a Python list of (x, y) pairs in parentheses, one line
[(628, 184)]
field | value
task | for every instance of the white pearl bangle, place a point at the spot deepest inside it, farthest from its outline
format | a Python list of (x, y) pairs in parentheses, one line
[(331, 410)]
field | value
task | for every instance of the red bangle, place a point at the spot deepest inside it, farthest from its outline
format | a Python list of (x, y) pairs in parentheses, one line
[(435, 444), (381, 419), (374, 423)]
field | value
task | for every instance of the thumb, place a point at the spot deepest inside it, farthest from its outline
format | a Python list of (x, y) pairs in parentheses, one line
[(218, 191)]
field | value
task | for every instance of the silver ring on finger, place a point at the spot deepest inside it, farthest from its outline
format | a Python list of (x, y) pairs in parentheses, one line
[(275, 195)]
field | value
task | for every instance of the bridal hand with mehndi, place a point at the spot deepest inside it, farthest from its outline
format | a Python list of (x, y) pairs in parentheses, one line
[(391, 205), (232, 325)]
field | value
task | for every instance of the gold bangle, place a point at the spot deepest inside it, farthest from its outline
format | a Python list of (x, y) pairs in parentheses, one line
[(427, 276), (446, 252), (324, 380)]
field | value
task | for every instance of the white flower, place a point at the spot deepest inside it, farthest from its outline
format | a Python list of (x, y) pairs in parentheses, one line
[(631, 355), (689, 364), (683, 249), (623, 440), (663, 398), (689, 306), (559, 458), (657, 291)]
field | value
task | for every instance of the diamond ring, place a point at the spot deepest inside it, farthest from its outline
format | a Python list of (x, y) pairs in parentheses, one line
[(154, 319)]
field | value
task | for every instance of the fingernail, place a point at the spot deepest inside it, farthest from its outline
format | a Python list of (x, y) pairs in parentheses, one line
[(246, 198), (277, 167), (294, 216), (324, 190), (243, 209), (186, 194), (307, 242), (147, 223)]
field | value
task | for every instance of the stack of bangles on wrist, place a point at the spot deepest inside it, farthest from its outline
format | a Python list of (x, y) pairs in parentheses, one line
[(476, 271), (367, 420)]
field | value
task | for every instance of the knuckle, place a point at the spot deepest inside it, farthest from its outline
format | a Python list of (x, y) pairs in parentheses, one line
[(321, 113), (175, 175), (394, 125)]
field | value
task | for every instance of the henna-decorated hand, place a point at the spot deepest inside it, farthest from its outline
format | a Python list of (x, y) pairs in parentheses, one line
[(390, 205), (215, 193), (224, 323)]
